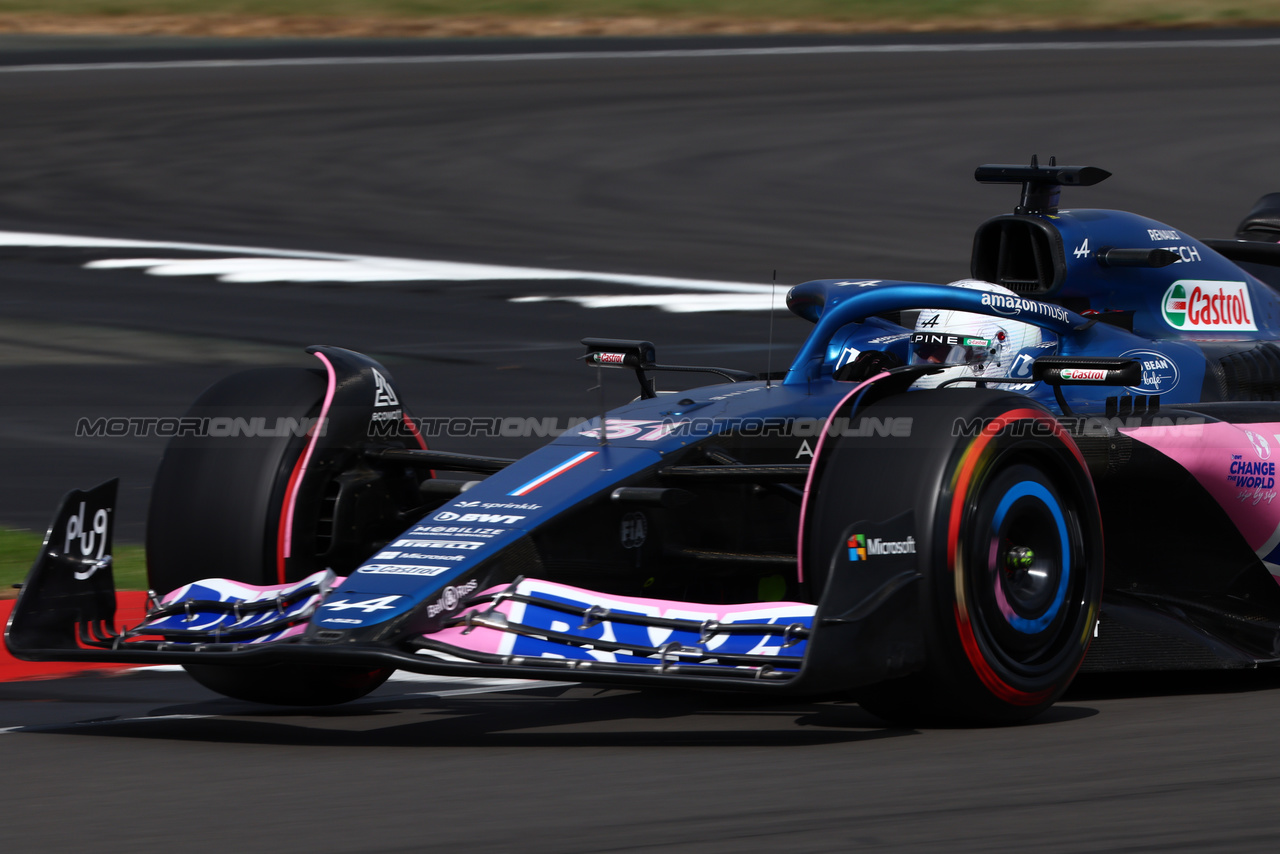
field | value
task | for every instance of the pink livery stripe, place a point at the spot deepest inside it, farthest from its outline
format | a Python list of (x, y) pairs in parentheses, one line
[(553, 473), (284, 542)]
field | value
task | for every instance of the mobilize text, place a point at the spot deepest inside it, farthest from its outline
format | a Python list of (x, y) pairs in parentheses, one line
[(457, 531)]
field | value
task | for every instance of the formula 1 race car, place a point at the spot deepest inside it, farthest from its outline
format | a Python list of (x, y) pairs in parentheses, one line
[(918, 513)]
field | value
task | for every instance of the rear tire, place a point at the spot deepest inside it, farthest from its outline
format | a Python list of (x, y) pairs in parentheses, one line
[(1009, 549)]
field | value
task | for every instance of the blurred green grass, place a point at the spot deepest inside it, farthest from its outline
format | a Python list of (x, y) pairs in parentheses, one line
[(1075, 12), (18, 550)]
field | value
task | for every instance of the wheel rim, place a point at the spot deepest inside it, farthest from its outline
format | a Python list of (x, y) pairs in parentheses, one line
[(1022, 576), (1028, 567)]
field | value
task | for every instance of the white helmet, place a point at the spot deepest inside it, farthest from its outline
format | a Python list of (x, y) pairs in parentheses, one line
[(971, 345)]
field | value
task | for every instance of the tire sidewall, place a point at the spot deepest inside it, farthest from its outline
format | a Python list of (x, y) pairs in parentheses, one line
[(949, 463), (216, 500), (965, 657)]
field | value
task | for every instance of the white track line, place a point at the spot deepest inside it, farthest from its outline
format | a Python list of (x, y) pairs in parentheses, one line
[(289, 265), (255, 265), (707, 53)]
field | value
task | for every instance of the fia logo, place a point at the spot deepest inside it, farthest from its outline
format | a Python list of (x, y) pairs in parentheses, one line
[(383, 394), (635, 529)]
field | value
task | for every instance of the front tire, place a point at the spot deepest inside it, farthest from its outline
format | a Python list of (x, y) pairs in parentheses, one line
[(1010, 550), (291, 684), (216, 510), (217, 500)]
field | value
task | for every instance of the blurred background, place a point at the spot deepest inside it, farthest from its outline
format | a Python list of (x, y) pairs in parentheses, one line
[(464, 190)]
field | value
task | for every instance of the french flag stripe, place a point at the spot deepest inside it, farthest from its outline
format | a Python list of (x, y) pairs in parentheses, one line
[(553, 473)]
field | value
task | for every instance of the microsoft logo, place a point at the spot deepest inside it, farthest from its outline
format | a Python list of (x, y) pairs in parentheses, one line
[(860, 547)]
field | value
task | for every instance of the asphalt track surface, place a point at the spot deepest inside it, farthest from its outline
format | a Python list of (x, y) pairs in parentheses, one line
[(712, 167)]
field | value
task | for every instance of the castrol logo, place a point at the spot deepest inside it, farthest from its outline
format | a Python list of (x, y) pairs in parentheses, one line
[(1084, 375), (1217, 306)]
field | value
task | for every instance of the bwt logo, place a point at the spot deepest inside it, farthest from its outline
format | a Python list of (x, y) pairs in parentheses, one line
[(494, 518)]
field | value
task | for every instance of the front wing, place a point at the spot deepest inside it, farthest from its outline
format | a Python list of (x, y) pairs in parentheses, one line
[(529, 628)]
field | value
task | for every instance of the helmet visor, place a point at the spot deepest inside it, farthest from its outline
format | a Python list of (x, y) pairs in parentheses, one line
[(944, 348)]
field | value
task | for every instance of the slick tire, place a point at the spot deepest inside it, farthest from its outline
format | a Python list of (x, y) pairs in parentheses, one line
[(1009, 550), (217, 498), (215, 512), (290, 685)]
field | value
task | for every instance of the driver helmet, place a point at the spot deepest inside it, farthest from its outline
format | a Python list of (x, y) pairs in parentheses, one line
[(968, 344)]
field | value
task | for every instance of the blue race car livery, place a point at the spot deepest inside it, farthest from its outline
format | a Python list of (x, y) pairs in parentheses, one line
[(889, 517)]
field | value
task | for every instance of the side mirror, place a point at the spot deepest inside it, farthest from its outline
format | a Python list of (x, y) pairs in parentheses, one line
[(1084, 370)]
